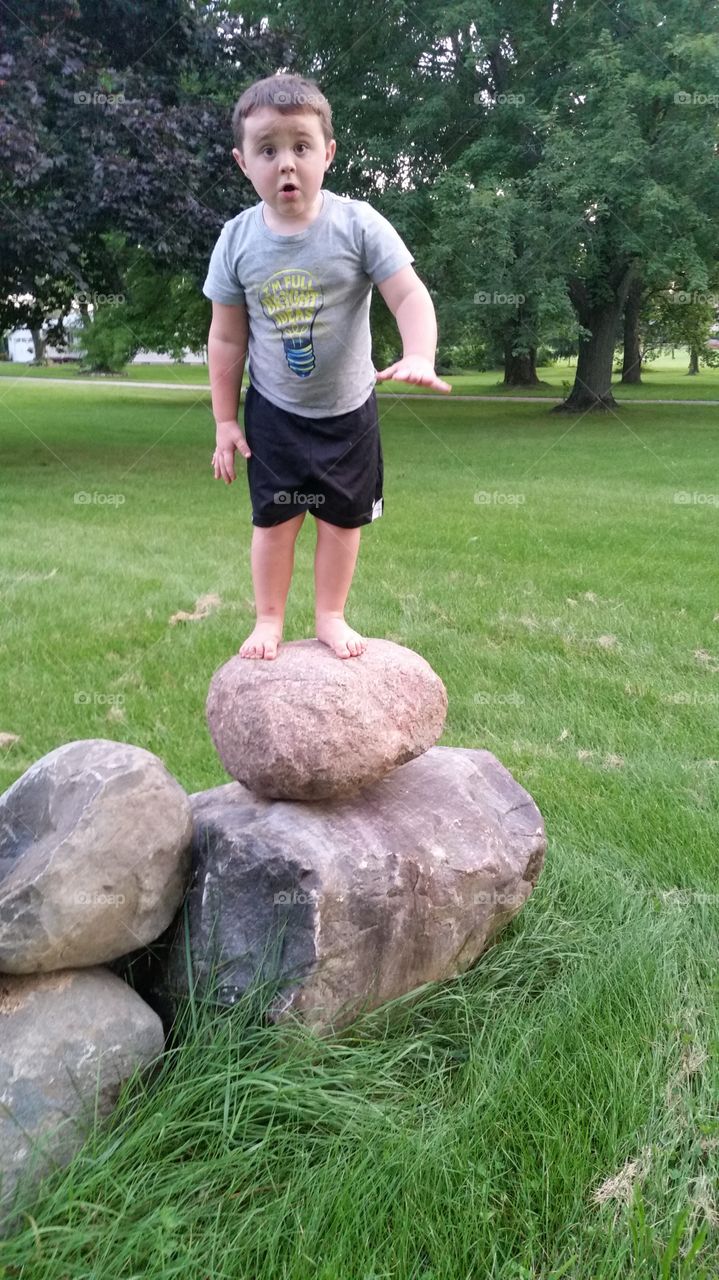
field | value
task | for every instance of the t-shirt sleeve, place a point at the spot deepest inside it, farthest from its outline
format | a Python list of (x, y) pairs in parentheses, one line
[(384, 251), (222, 284)]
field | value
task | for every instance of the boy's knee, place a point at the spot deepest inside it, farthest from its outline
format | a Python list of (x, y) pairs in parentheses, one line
[(347, 532), (283, 529)]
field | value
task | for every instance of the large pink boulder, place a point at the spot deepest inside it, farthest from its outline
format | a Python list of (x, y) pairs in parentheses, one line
[(311, 726)]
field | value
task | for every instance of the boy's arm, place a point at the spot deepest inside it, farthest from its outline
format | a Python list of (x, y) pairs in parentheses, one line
[(226, 352), (411, 306)]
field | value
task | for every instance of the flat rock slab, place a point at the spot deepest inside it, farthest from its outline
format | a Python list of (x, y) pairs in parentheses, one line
[(65, 1038), (308, 725), (94, 856), (350, 903)]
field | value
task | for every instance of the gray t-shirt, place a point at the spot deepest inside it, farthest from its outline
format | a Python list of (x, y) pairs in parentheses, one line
[(308, 298)]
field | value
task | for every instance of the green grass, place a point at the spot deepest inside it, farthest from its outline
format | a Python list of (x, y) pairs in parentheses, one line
[(664, 378), (573, 616), (181, 373)]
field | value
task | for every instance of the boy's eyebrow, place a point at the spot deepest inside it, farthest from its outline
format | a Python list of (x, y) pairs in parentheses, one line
[(302, 134)]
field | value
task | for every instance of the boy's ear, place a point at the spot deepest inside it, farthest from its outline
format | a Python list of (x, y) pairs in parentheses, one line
[(330, 152), (239, 158)]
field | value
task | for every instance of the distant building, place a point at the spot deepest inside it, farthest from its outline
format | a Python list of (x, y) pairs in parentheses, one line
[(21, 348), (161, 357)]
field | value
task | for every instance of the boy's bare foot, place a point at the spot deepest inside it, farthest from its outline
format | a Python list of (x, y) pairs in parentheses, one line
[(263, 642), (334, 631)]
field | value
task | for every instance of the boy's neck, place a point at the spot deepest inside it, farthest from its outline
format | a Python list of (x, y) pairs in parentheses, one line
[(291, 226)]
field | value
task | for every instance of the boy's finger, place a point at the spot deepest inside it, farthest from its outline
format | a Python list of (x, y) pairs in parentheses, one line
[(435, 382), (226, 466)]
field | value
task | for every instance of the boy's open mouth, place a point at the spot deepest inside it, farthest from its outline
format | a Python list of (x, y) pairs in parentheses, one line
[(288, 186)]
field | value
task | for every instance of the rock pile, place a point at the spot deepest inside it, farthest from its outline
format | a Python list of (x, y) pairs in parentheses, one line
[(94, 856), (94, 859), (308, 726), (351, 861), (346, 904)]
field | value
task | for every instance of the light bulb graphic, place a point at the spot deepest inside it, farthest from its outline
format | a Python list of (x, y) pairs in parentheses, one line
[(291, 300)]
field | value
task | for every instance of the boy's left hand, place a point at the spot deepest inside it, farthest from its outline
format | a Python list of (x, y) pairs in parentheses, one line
[(415, 369)]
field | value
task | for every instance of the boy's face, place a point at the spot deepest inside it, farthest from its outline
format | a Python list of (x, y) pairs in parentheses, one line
[(285, 158)]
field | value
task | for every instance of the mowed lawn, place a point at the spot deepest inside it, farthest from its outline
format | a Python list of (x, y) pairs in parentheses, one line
[(664, 378), (552, 1113)]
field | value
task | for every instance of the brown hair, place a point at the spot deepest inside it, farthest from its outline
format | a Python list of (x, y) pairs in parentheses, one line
[(286, 93)]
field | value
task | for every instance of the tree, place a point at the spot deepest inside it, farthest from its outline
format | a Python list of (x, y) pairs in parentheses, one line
[(564, 117), (636, 163), (632, 358), (492, 269), (103, 129), (678, 317), (558, 157)]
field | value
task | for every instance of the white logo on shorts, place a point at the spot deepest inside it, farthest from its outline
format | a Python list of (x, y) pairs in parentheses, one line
[(377, 508)]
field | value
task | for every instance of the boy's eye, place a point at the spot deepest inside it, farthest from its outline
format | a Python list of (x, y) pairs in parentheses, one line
[(301, 146), (267, 151)]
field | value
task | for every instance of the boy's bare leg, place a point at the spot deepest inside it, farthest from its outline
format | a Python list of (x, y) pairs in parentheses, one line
[(335, 559), (272, 558)]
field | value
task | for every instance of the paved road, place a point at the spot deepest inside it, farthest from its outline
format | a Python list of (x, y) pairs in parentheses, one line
[(394, 395)]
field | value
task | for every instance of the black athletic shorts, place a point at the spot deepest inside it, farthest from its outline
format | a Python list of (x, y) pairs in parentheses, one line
[(331, 467)]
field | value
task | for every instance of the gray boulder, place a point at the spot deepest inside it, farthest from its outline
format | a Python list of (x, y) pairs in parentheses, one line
[(312, 726), (349, 903), (94, 856), (65, 1039)]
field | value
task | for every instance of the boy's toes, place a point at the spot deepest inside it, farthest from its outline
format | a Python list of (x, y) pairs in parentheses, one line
[(350, 646), (263, 642), (341, 639)]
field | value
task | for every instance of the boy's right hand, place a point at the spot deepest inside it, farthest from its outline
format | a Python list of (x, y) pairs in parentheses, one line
[(229, 438)]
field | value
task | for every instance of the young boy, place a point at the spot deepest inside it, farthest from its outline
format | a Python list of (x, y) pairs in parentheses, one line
[(290, 281)]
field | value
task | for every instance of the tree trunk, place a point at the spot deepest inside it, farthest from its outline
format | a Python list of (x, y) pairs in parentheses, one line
[(632, 364), (520, 370), (39, 344), (593, 379), (693, 361)]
